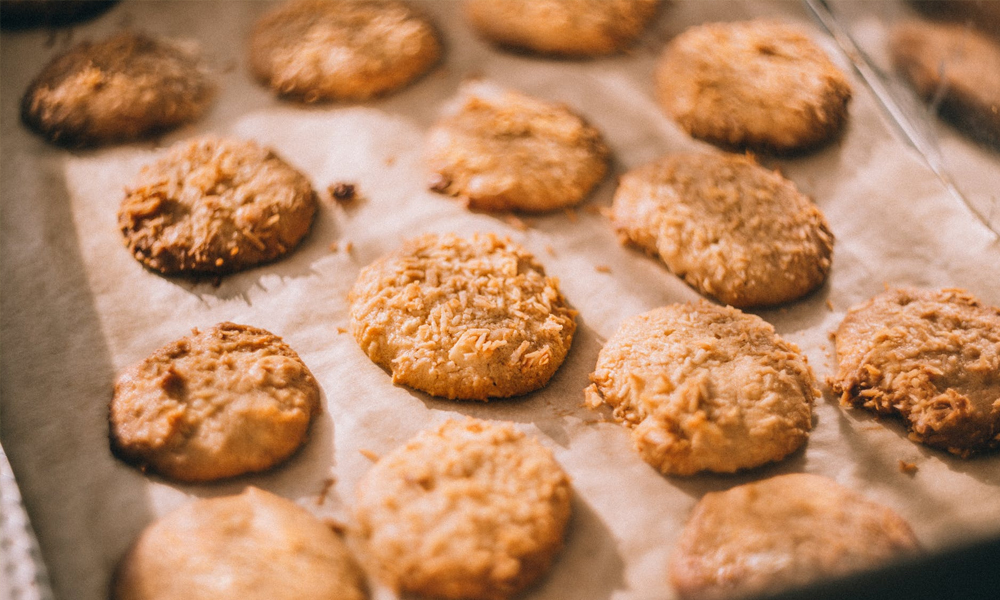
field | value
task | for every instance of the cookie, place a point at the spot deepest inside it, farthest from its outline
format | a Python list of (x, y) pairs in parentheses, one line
[(462, 318), (311, 50), (471, 510), (956, 68), (572, 28), (730, 228), (214, 206), (705, 388), (783, 532), (230, 400), (127, 87), (932, 357), (253, 546), (762, 85), (500, 150)]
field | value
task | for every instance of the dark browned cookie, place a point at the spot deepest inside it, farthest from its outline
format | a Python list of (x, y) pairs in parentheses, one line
[(213, 206), (124, 88), (930, 356)]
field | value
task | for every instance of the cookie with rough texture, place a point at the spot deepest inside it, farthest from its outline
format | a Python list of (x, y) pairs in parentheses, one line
[(705, 388), (783, 532), (230, 400), (501, 150), (312, 50), (729, 227), (126, 87), (577, 28), (253, 546), (932, 357), (468, 318), (214, 206), (471, 510), (956, 67), (763, 85)]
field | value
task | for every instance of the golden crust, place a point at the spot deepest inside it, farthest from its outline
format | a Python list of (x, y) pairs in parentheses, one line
[(471, 510), (230, 400), (930, 356), (704, 387), (469, 318)]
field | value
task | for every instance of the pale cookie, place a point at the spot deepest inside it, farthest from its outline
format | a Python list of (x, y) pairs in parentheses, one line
[(471, 510), (127, 87), (930, 356), (730, 228), (254, 546), (955, 67), (705, 388), (469, 318), (577, 28), (230, 400), (782, 532), (312, 50), (501, 150), (213, 206), (763, 85)]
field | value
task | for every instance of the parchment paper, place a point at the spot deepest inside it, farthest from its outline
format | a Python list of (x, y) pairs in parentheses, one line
[(77, 308)]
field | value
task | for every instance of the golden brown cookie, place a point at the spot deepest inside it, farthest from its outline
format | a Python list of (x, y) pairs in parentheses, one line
[(577, 28), (705, 388), (254, 546), (471, 510), (930, 356), (501, 150), (312, 50), (214, 206), (127, 87), (955, 66), (758, 84), (468, 318), (729, 227), (230, 400), (782, 532)]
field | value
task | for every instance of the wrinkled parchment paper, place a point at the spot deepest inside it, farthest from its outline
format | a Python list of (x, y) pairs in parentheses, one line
[(77, 308)]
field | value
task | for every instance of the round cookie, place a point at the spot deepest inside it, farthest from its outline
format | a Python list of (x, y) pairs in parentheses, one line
[(470, 510), (254, 546), (729, 227), (705, 388), (127, 87), (501, 150), (467, 318), (758, 84), (576, 28), (930, 356), (782, 532), (219, 403), (956, 67), (214, 206), (312, 50)]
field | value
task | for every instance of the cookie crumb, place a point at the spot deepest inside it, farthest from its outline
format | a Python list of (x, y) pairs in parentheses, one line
[(341, 330), (336, 526), (334, 247), (907, 467), (343, 192), (829, 305), (602, 268), (369, 454), (348, 247), (328, 484)]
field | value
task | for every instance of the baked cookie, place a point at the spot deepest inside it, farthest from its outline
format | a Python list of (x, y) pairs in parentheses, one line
[(219, 403), (468, 318), (782, 532), (311, 50), (705, 388), (214, 206), (471, 510), (730, 228), (955, 66), (254, 546), (127, 87), (758, 84), (930, 356), (501, 150), (577, 28)]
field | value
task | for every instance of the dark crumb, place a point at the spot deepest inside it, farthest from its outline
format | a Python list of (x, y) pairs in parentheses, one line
[(907, 467), (328, 483), (343, 192), (336, 526), (217, 281)]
